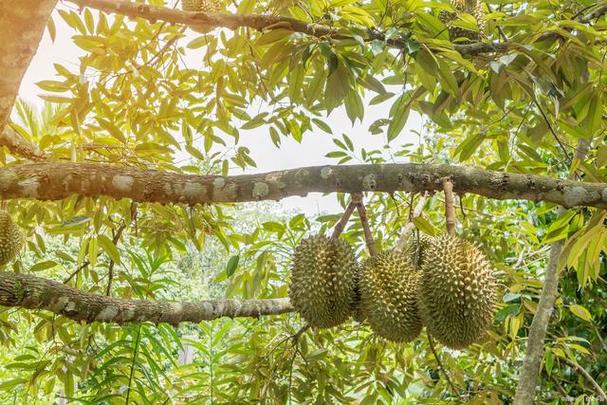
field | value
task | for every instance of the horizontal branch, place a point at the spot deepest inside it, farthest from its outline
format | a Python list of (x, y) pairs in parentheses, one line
[(255, 21), (54, 181), (29, 292), (17, 145)]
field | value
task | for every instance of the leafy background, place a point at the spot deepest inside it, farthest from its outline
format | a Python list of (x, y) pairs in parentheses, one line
[(131, 100)]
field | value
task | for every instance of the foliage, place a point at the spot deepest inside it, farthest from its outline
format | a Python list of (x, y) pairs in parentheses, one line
[(152, 95)]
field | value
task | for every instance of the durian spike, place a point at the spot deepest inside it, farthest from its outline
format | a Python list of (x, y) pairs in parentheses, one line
[(339, 227), (362, 213), (449, 209)]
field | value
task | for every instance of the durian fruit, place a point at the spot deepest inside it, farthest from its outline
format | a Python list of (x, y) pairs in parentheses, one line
[(203, 6), (389, 296), (457, 293), (356, 308), (416, 249), (474, 7), (11, 238), (322, 281)]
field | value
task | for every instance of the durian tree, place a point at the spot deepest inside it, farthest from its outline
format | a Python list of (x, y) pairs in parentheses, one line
[(146, 262)]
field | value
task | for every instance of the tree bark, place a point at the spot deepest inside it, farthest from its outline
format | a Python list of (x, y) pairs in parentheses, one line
[(53, 181), (26, 291), (22, 24), (18, 146), (531, 368)]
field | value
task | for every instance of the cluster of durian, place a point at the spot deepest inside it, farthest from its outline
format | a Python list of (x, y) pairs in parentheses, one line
[(473, 7), (11, 238), (443, 283)]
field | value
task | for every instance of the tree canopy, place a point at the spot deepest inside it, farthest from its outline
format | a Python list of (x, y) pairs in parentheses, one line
[(157, 263)]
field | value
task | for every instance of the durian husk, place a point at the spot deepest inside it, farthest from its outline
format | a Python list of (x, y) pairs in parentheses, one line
[(457, 292), (323, 281), (389, 296), (356, 309), (473, 7), (203, 6), (416, 249), (12, 238)]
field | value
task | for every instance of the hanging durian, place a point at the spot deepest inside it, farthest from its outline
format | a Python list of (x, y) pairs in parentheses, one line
[(202, 6), (473, 7), (356, 309), (416, 248), (389, 296), (11, 238), (322, 281), (457, 293)]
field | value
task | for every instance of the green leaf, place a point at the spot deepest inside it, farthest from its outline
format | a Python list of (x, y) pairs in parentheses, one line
[(425, 226), (232, 265), (109, 248), (399, 113), (45, 265), (580, 312)]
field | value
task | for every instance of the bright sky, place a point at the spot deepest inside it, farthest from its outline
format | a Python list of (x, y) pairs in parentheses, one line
[(310, 152)]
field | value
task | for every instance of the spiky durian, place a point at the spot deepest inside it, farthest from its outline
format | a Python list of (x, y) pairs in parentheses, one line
[(11, 238), (204, 6), (356, 309), (416, 248), (474, 7), (322, 281), (457, 292), (388, 291)]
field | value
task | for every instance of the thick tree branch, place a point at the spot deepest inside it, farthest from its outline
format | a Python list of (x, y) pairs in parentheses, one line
[(530, 370), (26, 291), (54, 181), (22, 24)]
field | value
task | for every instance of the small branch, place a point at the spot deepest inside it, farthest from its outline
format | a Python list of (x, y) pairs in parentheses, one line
[(454, 390), (530, 369), (266, 22), (18, 146), (362, 213), (341, 225), (110, 273), (410, 226), (30, 292), (295, 337), (449, 208), (597, 388)]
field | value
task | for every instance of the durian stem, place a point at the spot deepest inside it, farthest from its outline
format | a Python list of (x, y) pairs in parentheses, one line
[(362, 213), (341, 225), (449, 208), (454, 390), (410, 226)]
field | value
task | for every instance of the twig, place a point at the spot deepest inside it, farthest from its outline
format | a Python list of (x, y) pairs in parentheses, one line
[(454, 390), (410, 226), (449, 209), (362, 213), (339, 227), (597, 388)]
